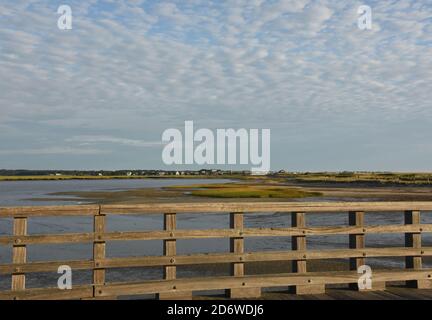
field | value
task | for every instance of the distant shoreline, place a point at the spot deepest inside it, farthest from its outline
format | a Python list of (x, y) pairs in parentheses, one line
[(66, 177), (306, 179)]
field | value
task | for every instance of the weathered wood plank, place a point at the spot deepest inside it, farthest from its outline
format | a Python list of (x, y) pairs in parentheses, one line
[(99, 249), (170, 246), (357, 241), (170, 270), (214, 233), (77, 292), (48, 238), (237, 268), (211, 258), (238, 282), (19, 254), (253, 281), (221, 207), (37, 211), (298, 220), (413, 240), (251, 207), (345, 294), (409, 293), (45, 266)]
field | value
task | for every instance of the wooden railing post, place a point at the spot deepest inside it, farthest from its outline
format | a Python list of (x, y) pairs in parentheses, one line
[(413, 240), (98, 250), (358, 241), (238, 285), (298, 219), (170, 271), (19, 253), (237, 268)]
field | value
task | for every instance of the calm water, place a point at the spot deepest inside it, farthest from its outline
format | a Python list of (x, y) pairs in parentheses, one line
[(19, 193)]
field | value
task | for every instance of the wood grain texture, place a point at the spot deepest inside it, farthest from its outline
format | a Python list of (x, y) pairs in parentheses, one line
[(356, 241), (298, 243), (213, 233), (216, 207), (77, 292), (238, 268), (253, 281), (44, 266), (240, 284), (170, 246), (99, 247), (19, 254), (414, 240), (170, 270), (251, 207), (214, 258), (39, 211)]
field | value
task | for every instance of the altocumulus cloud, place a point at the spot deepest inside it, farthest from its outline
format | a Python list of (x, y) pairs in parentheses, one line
[(53, 151), (131, 69), (109, 139)]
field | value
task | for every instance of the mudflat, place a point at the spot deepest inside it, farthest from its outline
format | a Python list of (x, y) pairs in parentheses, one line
[(252, 191)]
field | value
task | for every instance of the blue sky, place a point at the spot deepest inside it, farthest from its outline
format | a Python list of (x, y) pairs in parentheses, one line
[(100, 95)]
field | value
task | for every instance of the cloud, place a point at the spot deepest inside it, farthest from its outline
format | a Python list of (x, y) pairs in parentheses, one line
[(108, 139), (135, 68), (53, 151)]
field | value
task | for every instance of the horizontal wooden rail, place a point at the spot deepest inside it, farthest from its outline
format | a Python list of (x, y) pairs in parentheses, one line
[(214, 258), (254, 207), (239, 283), (44, 266), (216, 207), (212, 233), (214, 283), (78, 292), (48, 239), (47, 211), (253, 281)]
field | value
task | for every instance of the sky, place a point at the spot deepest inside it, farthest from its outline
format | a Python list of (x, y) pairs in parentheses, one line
[(100, 95)]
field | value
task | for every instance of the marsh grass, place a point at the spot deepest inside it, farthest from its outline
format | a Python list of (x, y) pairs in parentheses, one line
[(401, 178), (383, 178), (237, 190)]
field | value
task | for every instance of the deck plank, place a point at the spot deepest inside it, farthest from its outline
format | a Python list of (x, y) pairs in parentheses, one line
[(392, 293)]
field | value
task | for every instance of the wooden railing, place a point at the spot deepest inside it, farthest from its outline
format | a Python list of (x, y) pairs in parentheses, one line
[(239, 284)]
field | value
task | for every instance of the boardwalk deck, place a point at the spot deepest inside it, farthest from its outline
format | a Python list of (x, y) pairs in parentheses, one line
[(391, 293)]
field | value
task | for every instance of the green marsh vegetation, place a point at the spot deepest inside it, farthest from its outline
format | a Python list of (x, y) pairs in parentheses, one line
[(242, 190), (402, 178)]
